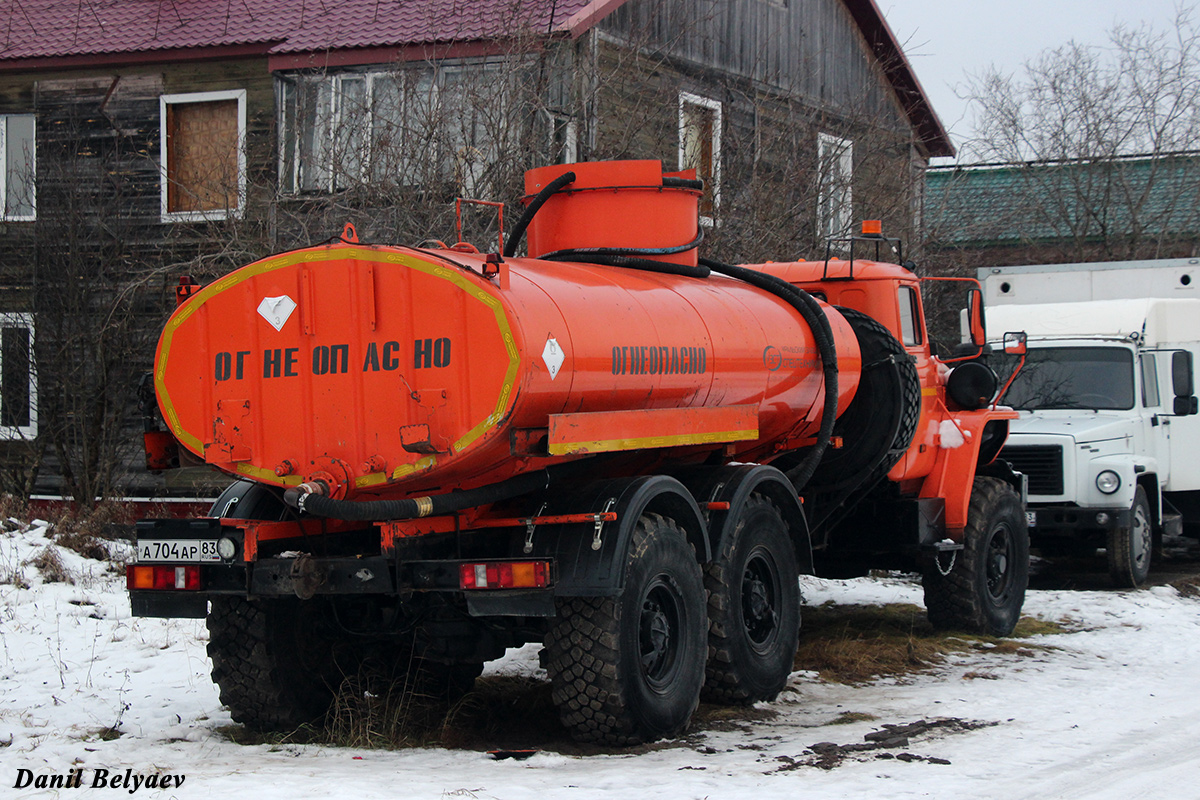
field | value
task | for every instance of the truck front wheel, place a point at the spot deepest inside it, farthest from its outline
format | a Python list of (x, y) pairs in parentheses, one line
[(628, 669), (984, 589), (1129, 547), (753, 608)]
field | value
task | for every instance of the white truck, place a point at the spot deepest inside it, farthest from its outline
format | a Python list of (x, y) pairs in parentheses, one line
[(1108, 434)]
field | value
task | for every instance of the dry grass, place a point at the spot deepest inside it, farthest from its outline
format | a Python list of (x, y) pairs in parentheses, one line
[(1189, 586), (50, 564), (858, 644), (88, 531)]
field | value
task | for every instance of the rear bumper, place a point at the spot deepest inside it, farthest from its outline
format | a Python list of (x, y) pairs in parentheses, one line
[(307, 577)]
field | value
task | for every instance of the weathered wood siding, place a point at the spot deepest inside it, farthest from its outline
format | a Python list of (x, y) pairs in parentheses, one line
[(810, 49)]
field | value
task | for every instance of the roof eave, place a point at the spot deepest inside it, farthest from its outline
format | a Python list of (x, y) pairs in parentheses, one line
[(134, 57), (883, 43)]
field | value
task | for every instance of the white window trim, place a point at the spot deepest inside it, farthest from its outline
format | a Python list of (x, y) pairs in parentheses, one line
[(11, 432), (202, 97), (827, 145), (570, 152), (686, 99), (4, 216)]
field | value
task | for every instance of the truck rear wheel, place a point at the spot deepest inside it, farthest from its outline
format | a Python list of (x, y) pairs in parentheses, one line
[(628, 669), (985, 588), (273, 660), (753, 608), (1129, 548)]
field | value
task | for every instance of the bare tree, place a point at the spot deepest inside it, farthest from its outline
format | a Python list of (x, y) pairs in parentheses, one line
[(1096, 148)]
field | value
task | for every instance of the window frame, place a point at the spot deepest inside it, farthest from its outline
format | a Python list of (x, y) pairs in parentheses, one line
[(1148, 372), (16, 319), (4, 170), (557, 121), (427, 96), (688, 99), (908, 300), (835, 171), (214, 215)]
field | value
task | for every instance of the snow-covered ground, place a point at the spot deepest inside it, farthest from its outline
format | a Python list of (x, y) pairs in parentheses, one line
[(1110, 710)]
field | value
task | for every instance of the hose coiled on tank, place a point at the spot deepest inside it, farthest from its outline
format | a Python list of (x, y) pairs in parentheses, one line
[(822, 333)]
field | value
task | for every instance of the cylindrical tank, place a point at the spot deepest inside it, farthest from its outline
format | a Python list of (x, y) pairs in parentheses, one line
[(386, 370)]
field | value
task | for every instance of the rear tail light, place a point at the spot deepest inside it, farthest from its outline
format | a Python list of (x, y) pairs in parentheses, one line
[(505, 575), (162, 577)]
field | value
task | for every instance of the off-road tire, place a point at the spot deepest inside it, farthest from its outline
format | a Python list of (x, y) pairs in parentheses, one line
[(753, 608), (273, 660), (628, 669), (984, 590), (1130, 548)]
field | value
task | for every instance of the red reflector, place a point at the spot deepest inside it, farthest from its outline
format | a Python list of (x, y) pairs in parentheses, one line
[(504, 575)]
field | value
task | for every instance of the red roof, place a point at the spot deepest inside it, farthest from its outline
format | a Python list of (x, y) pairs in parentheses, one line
[(62, 32), (63, 28)]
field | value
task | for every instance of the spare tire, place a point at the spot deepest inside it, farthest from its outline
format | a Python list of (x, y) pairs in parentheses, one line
[(879, 424)]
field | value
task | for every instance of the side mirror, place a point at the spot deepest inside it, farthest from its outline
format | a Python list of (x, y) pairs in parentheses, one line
[(1015, 343), (1183, 384), (975, 318)]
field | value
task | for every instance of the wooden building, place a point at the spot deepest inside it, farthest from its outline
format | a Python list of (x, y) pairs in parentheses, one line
[(141, 141)]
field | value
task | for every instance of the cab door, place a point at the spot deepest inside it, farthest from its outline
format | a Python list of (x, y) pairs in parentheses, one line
[(1155, 445)]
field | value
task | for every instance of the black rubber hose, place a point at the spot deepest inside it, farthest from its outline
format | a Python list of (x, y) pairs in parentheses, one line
[(645, 264), (411, 508), (535, 205), (818, 323), (670, 182), (586, 252)]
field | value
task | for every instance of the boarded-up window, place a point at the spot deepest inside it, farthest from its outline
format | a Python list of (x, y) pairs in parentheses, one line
[(700, 148), (18, 394), (203, 161), (17, 167)]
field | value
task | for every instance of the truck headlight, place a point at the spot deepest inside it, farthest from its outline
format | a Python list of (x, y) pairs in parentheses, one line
[(1108, 481)]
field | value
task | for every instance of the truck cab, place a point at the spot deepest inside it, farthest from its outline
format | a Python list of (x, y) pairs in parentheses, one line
[(1106, 428)]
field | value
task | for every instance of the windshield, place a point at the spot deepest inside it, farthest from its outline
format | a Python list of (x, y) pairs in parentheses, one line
[(1073, 377)]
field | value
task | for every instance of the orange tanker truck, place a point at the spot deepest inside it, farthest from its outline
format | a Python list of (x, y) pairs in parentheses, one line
[(611, 446)]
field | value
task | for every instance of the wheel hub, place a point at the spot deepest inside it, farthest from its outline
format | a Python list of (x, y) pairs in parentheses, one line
[(758, 601), (657, 634), (998, 563)]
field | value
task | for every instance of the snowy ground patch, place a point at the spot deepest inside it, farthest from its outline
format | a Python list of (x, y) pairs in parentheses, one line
[(1110, 710)]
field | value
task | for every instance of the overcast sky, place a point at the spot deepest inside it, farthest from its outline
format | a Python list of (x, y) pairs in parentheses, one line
[(947, 39)]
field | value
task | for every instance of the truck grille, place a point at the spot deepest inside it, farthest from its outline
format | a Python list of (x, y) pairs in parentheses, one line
[(1042, 463)]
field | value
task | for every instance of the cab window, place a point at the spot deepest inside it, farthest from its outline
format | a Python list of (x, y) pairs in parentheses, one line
[(910, 316), (1149, 381)]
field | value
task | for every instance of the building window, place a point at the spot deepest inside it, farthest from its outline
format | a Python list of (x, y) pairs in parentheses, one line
[(18, 387), (700, 148), (203, 155), (562, 138), (19, 166), (405, 127), (835, 171)]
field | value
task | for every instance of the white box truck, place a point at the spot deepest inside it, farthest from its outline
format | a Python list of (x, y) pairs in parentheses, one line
[(1108, 433)]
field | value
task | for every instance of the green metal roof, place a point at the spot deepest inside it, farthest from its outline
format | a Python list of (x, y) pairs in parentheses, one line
[(1036, 202)]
